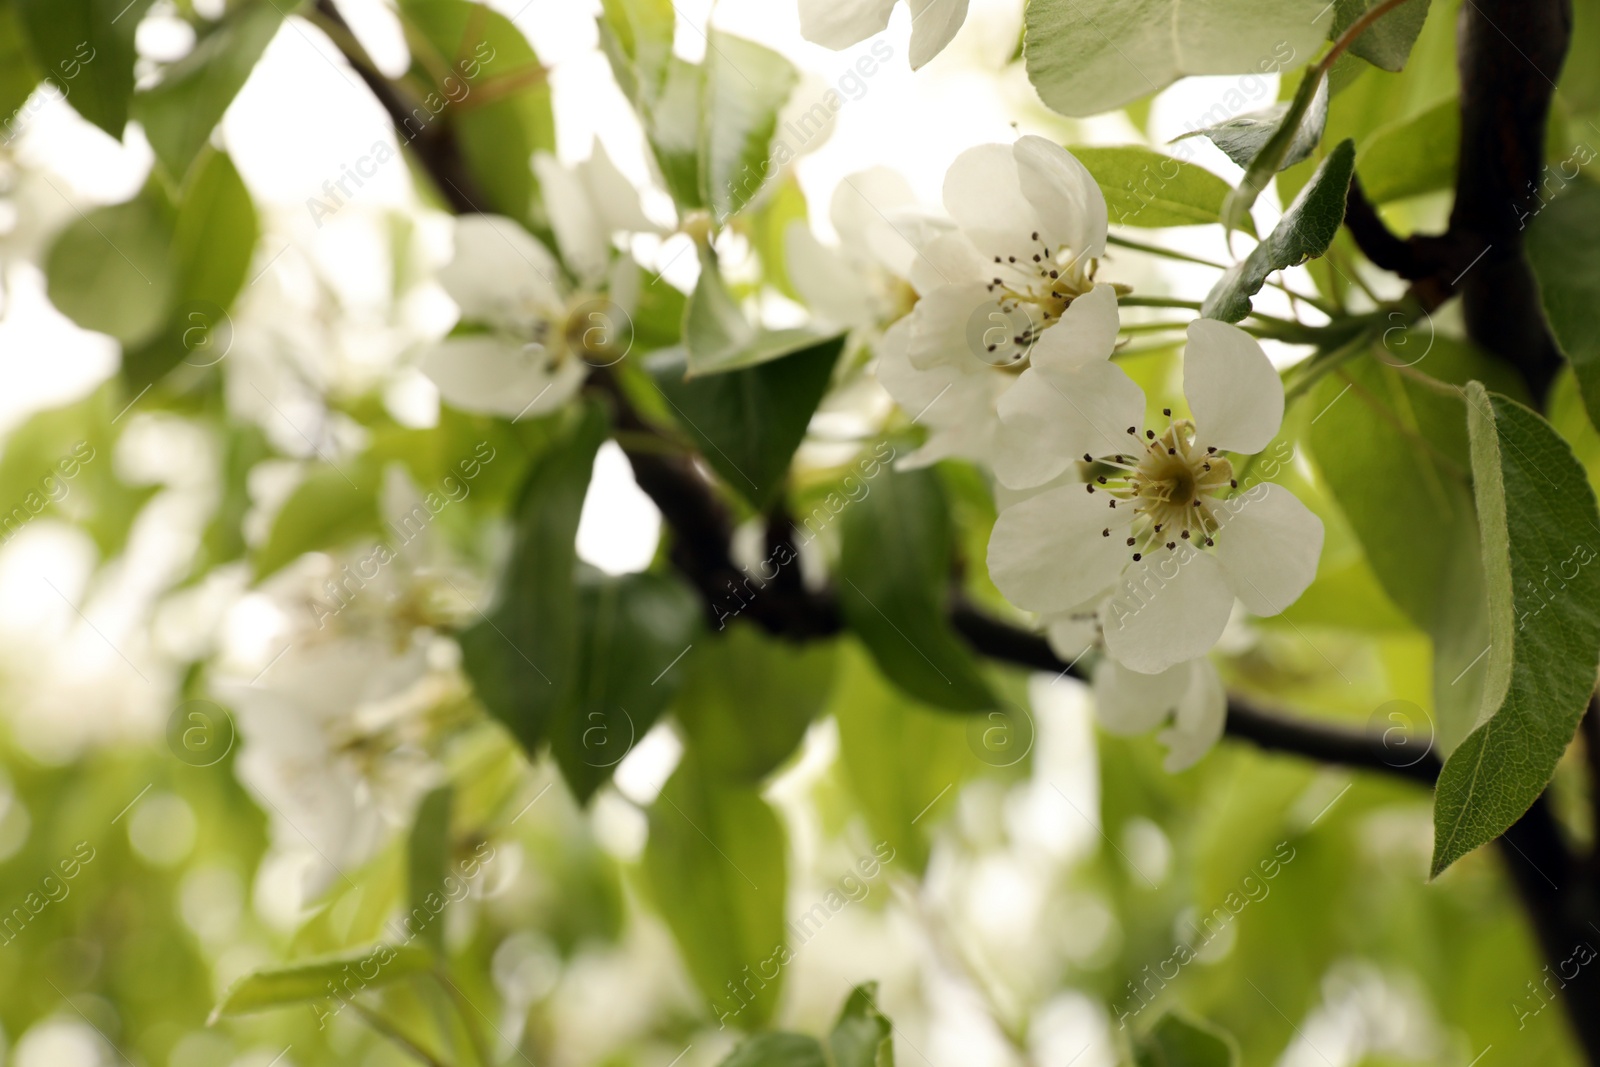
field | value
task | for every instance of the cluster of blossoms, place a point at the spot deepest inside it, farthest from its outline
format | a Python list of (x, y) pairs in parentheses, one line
[(1136, 540)]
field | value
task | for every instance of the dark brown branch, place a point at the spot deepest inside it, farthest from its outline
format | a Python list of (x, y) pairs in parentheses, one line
[(1510, 54)]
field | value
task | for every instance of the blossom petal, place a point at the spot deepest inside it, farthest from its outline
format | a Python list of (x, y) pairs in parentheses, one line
[(839, 24), (1269, 546), (613, 195), (1201, 715), (1048, 553), (1087, 333), (983, 193), (578, 227), (492, 375), (829, 285), (500, 274), (1232, 388), (1049, 421), (1127, 702), (949, 258), (946, 326), (1072, 633), (1170, 607), (862, 200), (933, 25), (1067, 200)]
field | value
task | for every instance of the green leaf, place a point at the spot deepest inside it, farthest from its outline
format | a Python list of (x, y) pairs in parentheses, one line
[(1305, 231), (716, 868), (1387, 42), (633, 629), (522, 657), (489, 85), (214, 239), (1413, 156), (718, 336), (427, 863), (894, 568), (111, 269), (1538, 519), (179, 112), (1142, 187), (19, 75), (86, 48), (745, 87), (900, 758), (862, 1035), (777, 1050), (1089, 56), (1394, 454), (1564, 248), (331, 507), (1175, 1041), (1304, 120), (1244, 136), (748, 698), (749, 422), (637, 38), (310, 980), (672, 123)]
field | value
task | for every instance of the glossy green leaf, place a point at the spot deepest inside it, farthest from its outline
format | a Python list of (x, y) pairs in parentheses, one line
[(777, 1050), (1089, 56), (902, 759), (1305, 115), (1306, 230), (213, 243), (745, 87), (1413, 156), (1143, 187), (894, 566), (716, 869), (1243, 137), (179, 112), (312, 980), (748, 698), (749, 422), (1387, 42), (634, 631), (111, 269), (86, 48), (1394, 454), (1564, 248), (489, 86), (1538, 519), (331, 507), (637, 38), (1179, 1042), (522, 655), (427, 863), (862, 1035)]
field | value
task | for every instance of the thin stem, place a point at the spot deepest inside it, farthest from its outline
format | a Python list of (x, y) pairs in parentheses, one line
[(1351, 35), (1184, 257), (1158, 302)]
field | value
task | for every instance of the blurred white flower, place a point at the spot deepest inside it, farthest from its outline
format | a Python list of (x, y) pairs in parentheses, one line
[(839, 24), (1010, 284), (1150, 545), (337, 731), (589, 204), (529, 336), (1188, 698), (865, 281)]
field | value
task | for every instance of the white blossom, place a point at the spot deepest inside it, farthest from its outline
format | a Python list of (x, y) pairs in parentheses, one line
[(1187, 698), (527, 338), (1156, 543), (839, 24), (1007, 289), (866, 281)]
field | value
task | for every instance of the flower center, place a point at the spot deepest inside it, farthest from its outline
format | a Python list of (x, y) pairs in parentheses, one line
[(1171, 485), (1032, 290)]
